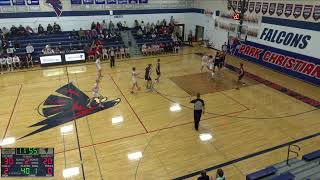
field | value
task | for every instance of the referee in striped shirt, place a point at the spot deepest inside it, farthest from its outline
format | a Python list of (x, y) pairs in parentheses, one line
[(198, 110)]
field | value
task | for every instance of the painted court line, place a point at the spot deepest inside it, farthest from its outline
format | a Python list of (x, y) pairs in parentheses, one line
[(129, 104), (14, 107)]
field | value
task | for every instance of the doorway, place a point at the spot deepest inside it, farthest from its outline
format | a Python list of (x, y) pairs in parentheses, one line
[(179, 29), (199, 33)]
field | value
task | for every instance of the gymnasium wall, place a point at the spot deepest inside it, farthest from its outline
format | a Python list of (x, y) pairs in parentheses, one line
[(285, 39)]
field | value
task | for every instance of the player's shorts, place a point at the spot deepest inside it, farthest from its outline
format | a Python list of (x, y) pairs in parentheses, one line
[(240, 77), (134, 80), (95, 95), (158, 73), (147, 78), (16, 60), (211, 66)]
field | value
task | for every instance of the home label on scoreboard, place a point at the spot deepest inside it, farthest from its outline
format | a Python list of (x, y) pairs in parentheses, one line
[(27, 162)]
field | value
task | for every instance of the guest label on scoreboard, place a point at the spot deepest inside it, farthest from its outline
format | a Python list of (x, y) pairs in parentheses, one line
[(27, 162)]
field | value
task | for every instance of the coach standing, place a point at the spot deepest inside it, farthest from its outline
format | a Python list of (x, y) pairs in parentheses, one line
[(198, 110)]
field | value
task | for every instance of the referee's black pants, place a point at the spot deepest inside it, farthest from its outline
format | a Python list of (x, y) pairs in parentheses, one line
[(112, 61), (197, 117)]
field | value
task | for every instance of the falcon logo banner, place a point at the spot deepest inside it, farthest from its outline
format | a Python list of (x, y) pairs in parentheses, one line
[(265, 7), (251, 7), (258, 7), (56, 5), (316, 13)]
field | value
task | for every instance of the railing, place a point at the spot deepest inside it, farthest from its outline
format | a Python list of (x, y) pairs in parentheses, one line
[(296, 151)]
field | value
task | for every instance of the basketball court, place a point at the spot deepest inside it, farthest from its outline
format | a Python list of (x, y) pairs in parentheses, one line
[(150, 135)]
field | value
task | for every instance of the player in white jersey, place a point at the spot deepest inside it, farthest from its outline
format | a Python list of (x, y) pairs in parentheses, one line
[(134, 78), (204, 62), (96, 96), (98, 64), (10, 63)]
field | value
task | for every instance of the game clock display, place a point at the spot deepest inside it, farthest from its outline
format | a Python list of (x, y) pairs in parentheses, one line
[(27, 162)]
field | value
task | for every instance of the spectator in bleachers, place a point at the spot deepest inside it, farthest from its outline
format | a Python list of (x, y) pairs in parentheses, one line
[(16, 61), (29, 60), (172, 21), (98, 27), (56, 28), (140, 33), (158, 24), (104, 25), (29, 30), (136, 24), (124, 25), (49, 29), (111, 25), (142, 26), (203, 176), (14, 30), (94, 34), (3, 63), (119, 25), (9, 63), (5, 32), (144, 49), (21, 30), (60, 48), (88, 34), (98, 43), (219, 175), (127, 52), (29, 49), (47, 50), (93, 26), (40, 29), (10, 50), (74, 34), (81, 34), (16, 44), (164, 22)]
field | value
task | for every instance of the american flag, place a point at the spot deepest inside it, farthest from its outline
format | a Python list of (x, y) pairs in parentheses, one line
[(57, 6)]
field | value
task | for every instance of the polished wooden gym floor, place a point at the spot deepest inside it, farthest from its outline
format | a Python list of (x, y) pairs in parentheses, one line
[(241, 122)]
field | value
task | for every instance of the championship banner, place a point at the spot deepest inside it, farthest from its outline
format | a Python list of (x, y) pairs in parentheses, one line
[(265, 8), (122, 1), (289, 9), (33, 2), (5, 3), (251, 7), (143, 1), (316, 13), (76, 2), (280, 9), (229, 5), (100, 1), (234, 4), (87, 1), (307, 11), (297, 10), (111, 1), (133, 1), (258, 7), (284, 45), (272, 8), (18, 2)]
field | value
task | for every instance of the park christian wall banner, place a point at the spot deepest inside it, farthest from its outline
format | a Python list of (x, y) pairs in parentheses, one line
[(272, 8), (287, 46), (280, 9), (18, 2), (307, 11), (297, 10)]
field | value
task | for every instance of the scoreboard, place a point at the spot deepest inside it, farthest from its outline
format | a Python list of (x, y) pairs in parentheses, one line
[(27, 162)]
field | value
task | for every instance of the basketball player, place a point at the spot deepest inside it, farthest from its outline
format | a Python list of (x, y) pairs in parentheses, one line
[(96, 95), (240, 76), (147, 76), (158, 71), (134, 77), (204, 62), (217, 62), (98, 64)]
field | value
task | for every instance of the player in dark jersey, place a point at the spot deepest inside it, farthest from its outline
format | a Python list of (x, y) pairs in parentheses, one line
[(240, 76), (147, 76), (217, 60), (158, 71)]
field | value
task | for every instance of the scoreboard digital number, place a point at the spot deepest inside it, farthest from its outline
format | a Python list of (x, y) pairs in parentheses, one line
[(27, 162)]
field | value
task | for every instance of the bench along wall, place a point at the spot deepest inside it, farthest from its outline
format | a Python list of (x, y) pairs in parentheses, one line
[(287, 46)]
